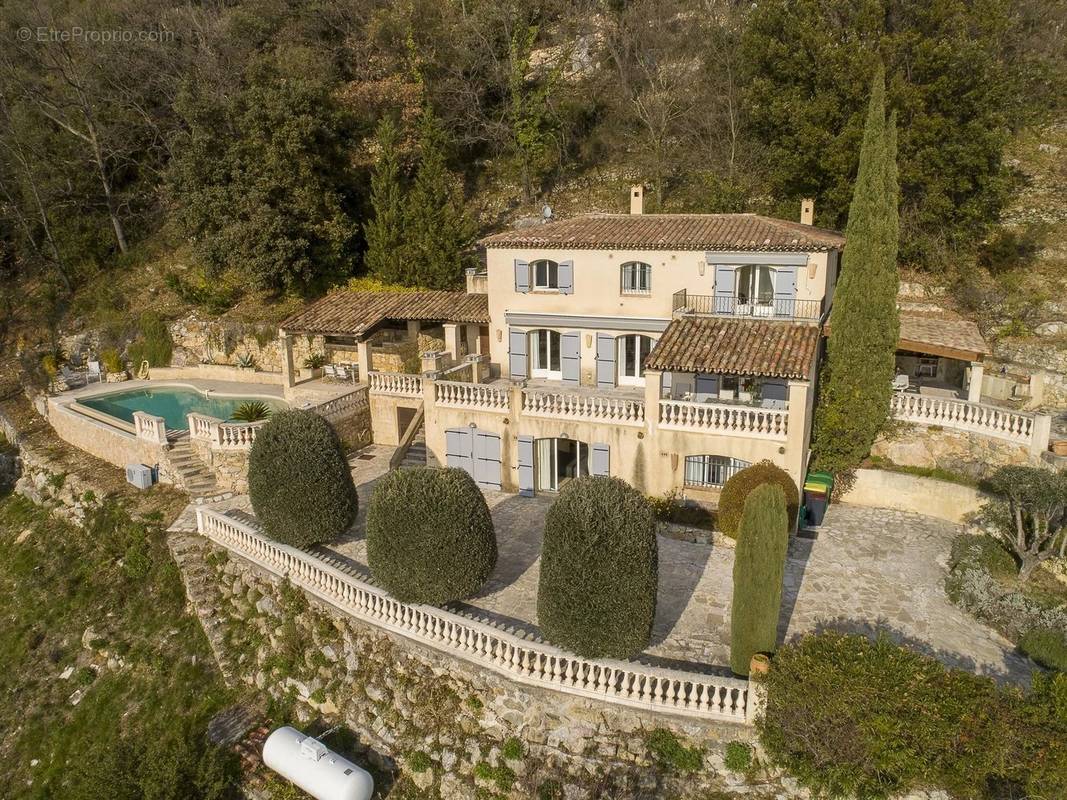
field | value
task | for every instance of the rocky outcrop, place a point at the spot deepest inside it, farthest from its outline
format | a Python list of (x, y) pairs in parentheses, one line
[(956, 451)]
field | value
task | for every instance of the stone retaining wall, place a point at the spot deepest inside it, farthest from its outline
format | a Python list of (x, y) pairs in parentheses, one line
[(902, 492), (957, 451), (402, 699)]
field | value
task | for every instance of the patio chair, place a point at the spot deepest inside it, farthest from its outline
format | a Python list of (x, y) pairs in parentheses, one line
[(71, 378), (329, 372), (901, 382), (94, 373), (341, 372)]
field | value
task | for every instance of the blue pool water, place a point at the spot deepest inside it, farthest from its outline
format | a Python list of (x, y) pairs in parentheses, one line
[(172, 403)]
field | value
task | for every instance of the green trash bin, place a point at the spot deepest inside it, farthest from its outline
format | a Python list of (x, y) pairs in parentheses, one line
[(817, 489)]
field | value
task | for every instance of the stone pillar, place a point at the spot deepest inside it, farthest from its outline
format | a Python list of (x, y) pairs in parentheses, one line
[(796, 443), (288, 368), (413, 329), (974, 385), (1037, 389), (364, 357), (474, 340), (653, 377), (1042, 432), (452, 341)]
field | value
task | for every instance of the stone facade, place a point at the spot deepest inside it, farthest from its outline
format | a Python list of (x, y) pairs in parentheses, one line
[(216, 341), (957, 451), (481, 735)]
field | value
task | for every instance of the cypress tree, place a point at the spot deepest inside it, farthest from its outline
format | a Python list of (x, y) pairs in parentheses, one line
[(759, 567), (856, 383), (438, 232), (385, 233)]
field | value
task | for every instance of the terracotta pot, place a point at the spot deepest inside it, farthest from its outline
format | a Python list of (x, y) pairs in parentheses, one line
[(760, 664)]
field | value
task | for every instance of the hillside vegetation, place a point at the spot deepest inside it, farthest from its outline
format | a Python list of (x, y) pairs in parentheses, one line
[(220, 156)]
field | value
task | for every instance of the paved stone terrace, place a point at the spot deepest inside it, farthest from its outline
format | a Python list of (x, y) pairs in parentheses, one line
[(869, 569)]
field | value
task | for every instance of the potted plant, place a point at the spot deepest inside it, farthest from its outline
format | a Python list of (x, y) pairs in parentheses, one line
[(313, 364), (251, 411), (114, 366)]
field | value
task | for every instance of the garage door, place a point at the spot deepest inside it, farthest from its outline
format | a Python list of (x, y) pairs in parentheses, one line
[(475, 452)]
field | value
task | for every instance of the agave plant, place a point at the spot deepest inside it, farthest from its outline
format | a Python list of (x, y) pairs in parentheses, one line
[(246, 361), (252, 411)]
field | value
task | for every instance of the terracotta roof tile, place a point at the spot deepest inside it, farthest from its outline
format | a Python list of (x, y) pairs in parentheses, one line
[(738, 347), (353, 313), (942, 331), (671, 232)]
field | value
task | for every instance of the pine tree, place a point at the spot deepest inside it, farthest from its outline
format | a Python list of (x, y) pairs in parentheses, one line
[(856, 383), (385, 233), (438, 233), (759, 567)]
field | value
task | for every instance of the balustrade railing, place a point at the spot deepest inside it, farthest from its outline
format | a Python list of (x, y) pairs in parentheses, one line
[(685, 302), (532, 663), (478, 396), (761, 423), (395, 383), (149, 427), (1001, 423), (342, 405), (571, 405)]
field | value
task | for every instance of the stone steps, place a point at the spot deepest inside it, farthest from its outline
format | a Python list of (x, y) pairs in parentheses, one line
[(417, 454), (194, 474)]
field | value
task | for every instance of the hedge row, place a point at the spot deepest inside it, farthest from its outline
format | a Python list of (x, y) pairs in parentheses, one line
[(738, 487)]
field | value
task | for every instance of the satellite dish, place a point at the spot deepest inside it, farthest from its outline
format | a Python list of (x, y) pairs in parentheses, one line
[(546, 212)]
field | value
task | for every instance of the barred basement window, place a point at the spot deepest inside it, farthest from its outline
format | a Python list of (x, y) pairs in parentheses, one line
[(711, 471), (636, 278)]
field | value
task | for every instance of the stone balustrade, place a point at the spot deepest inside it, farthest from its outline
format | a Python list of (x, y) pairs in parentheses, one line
[(728, 420), (520, 660), (150, 427), (222, 435), (594, 408), (395, 383), (343, 405), (477, 396), (999, 423)]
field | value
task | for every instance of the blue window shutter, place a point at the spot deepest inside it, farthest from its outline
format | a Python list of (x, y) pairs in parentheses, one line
[(487, 459), (522, 276), (599, 459), (570, 345), (605, 360), (518, 360), (526, 466), (725, 291), (785, 290), (566, 277)]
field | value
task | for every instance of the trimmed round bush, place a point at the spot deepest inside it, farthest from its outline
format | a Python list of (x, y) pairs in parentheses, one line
[(599, 562), (736, 490), (299, 481), (430, 537)]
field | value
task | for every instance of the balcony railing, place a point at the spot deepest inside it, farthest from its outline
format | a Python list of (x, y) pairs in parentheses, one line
[(721, 306), (723, 419)]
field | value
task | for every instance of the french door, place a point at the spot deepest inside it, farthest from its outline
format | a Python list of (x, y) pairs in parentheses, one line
[(633, 352), (545, 353)]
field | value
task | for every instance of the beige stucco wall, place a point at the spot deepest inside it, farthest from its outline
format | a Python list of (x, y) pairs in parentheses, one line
[(597, 291), (903, 492)]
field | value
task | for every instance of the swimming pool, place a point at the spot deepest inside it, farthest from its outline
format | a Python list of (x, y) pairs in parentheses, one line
[(172, 403)]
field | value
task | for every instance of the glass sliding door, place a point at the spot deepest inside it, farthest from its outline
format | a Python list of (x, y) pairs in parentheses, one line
[(755, 290), (558, 461)]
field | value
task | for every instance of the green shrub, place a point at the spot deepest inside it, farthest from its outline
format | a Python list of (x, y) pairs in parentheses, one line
[(738, 757), (298, 480), (1046, 646), (670, 753), (430, 537), (153, 344), (513, 749), (550, 790), (759, 568), (597, 591), (848, 716), (252, 411), (418, 761), (732, 499), (112, 361)]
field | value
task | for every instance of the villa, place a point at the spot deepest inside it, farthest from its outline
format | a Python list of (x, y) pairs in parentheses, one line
[(669, 350)]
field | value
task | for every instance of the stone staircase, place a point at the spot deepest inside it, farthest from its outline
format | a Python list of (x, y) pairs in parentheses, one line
[(416, 455), (195, 476)]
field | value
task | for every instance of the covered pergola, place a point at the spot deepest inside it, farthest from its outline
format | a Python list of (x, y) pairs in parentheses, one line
[(351, 318), (938, 349)]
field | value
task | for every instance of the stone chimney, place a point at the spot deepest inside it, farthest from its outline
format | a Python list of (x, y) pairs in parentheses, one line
[(807, 211), (637, 199)]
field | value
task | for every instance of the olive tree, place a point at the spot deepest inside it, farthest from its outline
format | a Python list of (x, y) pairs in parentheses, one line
[(1029, 514)]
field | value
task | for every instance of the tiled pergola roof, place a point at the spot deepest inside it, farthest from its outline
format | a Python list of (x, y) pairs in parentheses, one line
[(942, 336), (736, 347), (722, 232), (347, 313)]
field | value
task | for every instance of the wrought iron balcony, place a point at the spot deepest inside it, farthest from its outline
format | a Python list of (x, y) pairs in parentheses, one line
[(720, 306)]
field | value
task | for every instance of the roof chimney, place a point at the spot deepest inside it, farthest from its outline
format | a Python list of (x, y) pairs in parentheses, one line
[(807, 211), (637, 199)]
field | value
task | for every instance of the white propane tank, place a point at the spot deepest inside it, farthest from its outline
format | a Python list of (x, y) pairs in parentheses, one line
[(315, 768)]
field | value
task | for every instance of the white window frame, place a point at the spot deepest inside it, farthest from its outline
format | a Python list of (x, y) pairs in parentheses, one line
[(549, 467), (552, 348), (635, 278), (714, 470), (752, 290), (550, 274), (622, 344)]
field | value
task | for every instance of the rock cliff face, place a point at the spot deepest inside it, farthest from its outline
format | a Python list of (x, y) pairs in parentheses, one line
[(955, 451), (454, 729)]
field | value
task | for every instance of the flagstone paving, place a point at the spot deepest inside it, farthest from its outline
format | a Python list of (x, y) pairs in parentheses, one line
[(869, 570)]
